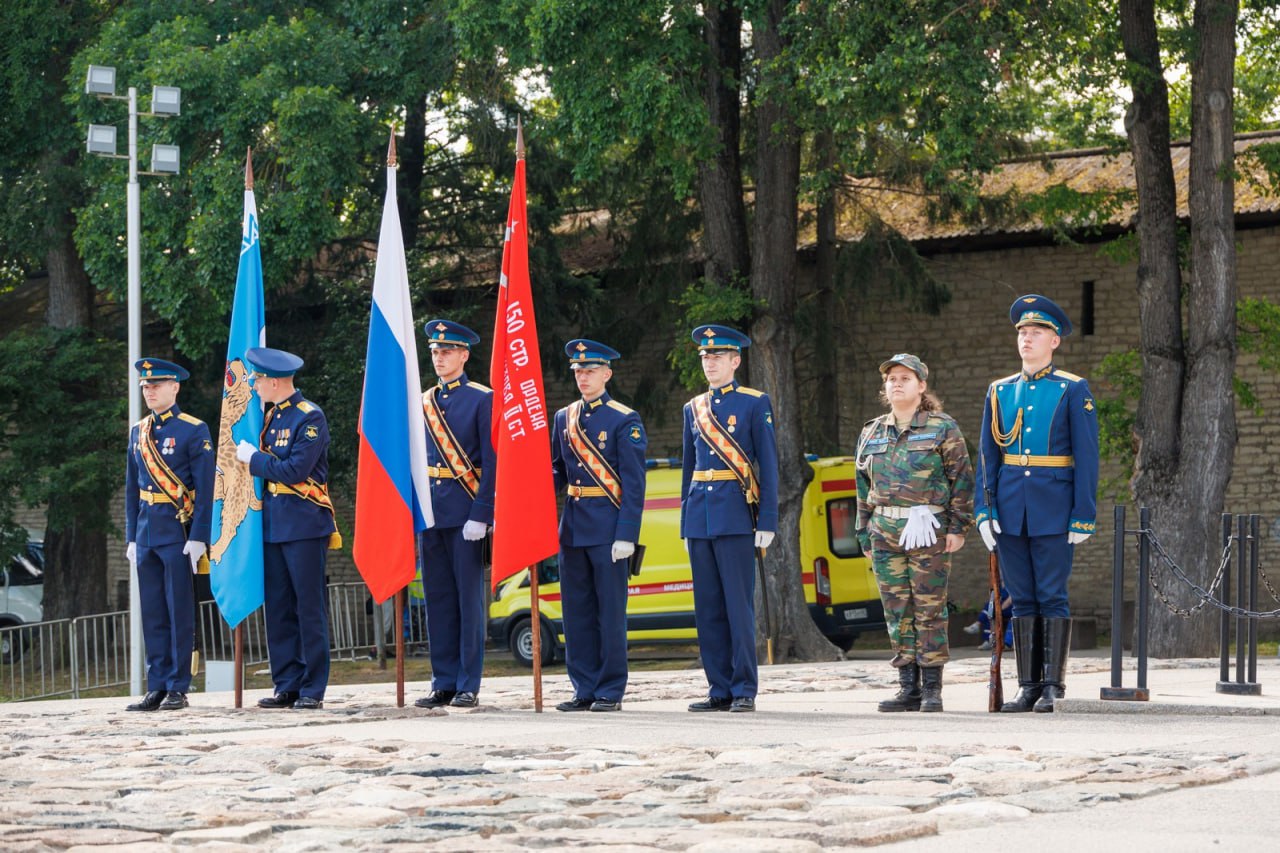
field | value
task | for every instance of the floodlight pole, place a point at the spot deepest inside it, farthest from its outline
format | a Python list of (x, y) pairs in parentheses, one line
[(133, 298)]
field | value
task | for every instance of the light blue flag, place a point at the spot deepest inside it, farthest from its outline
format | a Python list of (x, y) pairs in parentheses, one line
[(235, 555)]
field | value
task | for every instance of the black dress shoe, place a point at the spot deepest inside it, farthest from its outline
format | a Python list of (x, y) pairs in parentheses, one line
[(465, 700), (175, 701), (742, 705), (606, 705), (150, 702), (307, 703), (712, 703), (575, 704), (435, 699), (280, 700)]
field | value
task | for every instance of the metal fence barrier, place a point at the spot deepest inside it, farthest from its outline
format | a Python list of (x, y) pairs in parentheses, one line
[(75, 657)]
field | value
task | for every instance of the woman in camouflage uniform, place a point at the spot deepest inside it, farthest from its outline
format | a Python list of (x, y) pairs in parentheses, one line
[(914, 477)]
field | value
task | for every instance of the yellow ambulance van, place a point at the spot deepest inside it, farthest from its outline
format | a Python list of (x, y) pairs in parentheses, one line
[(838, 582)]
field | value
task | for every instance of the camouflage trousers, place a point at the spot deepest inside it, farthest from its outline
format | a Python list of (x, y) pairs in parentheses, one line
[(913, 589)]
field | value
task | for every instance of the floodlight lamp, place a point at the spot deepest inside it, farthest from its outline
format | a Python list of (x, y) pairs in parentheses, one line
[(101, 80), (102, 139), (166, 100), (164, 159)]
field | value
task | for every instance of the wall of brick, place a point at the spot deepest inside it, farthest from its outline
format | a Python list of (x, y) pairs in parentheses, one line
[(971, 343)]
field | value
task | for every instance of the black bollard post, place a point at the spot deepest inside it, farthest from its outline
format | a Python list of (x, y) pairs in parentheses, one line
[(1253, 600), (1117, 600), (1144, 593), (1116, 691), (1224, 624), (1239, 687)]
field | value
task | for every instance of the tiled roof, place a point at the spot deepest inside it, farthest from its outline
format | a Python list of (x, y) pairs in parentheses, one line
[(1081, 171)]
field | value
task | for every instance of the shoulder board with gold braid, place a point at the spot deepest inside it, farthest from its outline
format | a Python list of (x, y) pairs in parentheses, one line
[(191, 419), (750, 392), (619, 407), (476, 385), (590, 457), (1004, 380), (306, 407), (1069, 376), (723, 445)]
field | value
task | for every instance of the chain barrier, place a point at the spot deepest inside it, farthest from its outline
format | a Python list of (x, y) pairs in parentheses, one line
[(1206, 596)]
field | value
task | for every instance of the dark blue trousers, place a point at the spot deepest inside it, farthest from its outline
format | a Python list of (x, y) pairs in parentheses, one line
[(724, 607), (1035, 570), (453, 582), (593, 595), (297, 615), (168, 615)]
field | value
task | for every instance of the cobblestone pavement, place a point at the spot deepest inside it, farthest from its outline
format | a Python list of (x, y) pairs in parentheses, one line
[(815, 768)]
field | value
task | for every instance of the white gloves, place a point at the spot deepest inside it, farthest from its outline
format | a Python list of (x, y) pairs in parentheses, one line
[(622, 550), (1076, 538), (474, 530), (988, 530), (194, 551), (918, 532), (245, 451), (131, 554), (764, 538)]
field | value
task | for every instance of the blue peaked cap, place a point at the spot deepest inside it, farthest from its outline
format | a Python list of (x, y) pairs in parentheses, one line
[(711, 337), (1034, 309), (157, 370), (446, 333), (587, 353), (275, 363)]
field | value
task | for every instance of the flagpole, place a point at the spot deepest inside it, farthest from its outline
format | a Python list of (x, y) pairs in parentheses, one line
[(400, 649), (238, 666), (535, 617), (535, 625)]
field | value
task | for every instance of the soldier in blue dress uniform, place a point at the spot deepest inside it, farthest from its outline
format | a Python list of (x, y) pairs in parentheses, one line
[(462, 467), (298, 528), (597, 453), (728, 508), (1036, 495), (168, 512)]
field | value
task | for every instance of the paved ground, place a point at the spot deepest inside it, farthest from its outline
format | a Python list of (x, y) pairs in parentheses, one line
[(816, 767)]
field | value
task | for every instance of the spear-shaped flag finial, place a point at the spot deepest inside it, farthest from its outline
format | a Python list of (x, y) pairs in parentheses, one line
[(519, 139), (248, 168), (391, 149)]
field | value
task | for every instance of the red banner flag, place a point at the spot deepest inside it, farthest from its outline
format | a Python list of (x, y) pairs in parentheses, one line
[(524, 520)]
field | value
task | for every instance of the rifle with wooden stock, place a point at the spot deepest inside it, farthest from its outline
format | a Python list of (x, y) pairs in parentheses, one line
[(995, 687)]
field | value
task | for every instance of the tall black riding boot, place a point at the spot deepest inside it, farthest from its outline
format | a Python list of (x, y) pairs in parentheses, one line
[(931, 692), (908, 698), (1057, 646), (1028, 648)]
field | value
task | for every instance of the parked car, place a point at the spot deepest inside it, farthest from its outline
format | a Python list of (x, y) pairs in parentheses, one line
[(839, 585), (21, 599)]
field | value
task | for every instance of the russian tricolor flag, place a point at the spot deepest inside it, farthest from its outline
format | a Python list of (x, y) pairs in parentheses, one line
[(393, 502)]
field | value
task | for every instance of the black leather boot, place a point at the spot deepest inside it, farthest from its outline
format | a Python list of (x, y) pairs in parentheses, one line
[(1057, 647), (908, 698), (931, 693), (1028, 648)]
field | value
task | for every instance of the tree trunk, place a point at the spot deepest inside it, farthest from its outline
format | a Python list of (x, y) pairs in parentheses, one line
[(724, 216), (773, 366), (75, 578), (825, 431), (1186, 420)]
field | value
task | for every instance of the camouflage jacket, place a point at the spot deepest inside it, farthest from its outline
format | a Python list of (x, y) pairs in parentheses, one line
[(926, 463)]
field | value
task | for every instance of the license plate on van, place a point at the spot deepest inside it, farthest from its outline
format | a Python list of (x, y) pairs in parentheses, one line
[(853, 614)]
